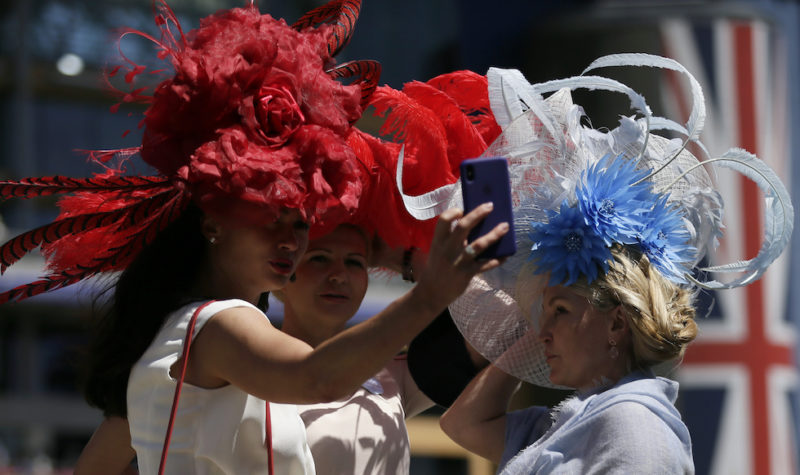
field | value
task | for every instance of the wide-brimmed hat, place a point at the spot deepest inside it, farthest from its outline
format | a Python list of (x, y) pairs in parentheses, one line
[(578, 191)]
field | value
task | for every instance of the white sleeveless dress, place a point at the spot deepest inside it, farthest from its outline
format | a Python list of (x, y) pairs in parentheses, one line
[(216, 431)]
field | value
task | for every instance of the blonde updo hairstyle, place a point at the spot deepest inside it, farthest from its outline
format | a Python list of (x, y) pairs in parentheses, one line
[(660, 313)]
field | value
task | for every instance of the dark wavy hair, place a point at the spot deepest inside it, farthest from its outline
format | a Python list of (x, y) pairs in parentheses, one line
[(159, 281)]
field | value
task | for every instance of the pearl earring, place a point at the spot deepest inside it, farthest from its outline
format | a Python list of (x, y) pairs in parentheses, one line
[(212, 240)]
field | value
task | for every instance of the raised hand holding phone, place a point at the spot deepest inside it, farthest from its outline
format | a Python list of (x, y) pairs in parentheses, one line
[(486, 179)]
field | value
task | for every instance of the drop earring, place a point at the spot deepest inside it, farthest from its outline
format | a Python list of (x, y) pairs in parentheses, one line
[(613, 352), (212, 240)]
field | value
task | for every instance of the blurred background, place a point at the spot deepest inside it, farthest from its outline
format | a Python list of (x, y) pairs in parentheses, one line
[(740, 396)]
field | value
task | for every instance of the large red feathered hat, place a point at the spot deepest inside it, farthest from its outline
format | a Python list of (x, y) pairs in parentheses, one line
[(253, 120), (435, 125)]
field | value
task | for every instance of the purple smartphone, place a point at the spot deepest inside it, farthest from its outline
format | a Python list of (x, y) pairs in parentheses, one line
[(486, 179)]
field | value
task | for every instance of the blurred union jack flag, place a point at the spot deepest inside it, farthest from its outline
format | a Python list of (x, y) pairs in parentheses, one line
[(739, 382)]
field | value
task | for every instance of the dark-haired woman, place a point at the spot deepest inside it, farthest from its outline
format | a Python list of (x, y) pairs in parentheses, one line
[(331, 281), (238, 359)]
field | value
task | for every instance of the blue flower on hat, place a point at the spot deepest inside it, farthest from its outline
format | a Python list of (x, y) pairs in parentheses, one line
[(613, 204), (613, 198), (664, 240), (568, 247)]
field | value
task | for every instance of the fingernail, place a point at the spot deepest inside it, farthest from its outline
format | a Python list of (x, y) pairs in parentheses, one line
[(503, 227), (488, 205)]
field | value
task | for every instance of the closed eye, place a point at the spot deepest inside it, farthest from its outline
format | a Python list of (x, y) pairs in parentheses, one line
[(358, 263)]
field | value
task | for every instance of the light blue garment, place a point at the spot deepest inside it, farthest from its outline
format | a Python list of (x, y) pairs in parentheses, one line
[(633, 427)]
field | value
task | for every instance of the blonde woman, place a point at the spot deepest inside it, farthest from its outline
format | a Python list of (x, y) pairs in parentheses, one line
[(602, 339), (612, 226)]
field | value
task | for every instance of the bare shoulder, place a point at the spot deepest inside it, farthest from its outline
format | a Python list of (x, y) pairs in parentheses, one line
[(238, 317), (235, 329), (228, 336)]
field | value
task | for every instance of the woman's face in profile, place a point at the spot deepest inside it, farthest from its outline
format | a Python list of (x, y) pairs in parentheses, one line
[(331, 278), (575, 336), (259, 258)]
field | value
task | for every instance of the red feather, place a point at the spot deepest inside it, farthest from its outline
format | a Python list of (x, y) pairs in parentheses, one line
[(441, 122), (46, 284), (51, 185), (79, 249), (16, 248), (381, 210), (463, 139), (341, 14), (157, 214), (470, 90), (425, 165), (368, 73), (70, 226)]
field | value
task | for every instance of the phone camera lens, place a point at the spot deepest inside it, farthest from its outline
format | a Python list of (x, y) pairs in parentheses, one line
[(470, 172)]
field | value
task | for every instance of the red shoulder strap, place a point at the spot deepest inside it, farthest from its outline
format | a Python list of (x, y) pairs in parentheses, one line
[(187, 342), (268, 440)]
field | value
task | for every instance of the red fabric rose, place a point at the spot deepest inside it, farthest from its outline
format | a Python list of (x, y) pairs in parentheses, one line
[(253, 123), (315, 173), (273, 114)]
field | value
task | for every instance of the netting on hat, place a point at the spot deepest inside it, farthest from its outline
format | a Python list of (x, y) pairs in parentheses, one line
[(552, 155), (499, 312)]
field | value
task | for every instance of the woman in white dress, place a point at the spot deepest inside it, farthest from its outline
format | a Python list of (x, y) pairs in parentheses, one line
[(363, 432)]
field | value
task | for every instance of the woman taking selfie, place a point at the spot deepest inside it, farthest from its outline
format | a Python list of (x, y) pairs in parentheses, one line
[(365, 431)]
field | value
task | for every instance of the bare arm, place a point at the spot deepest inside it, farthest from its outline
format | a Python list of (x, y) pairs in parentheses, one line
[(108, 451), (240, 347), (477, 419)]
